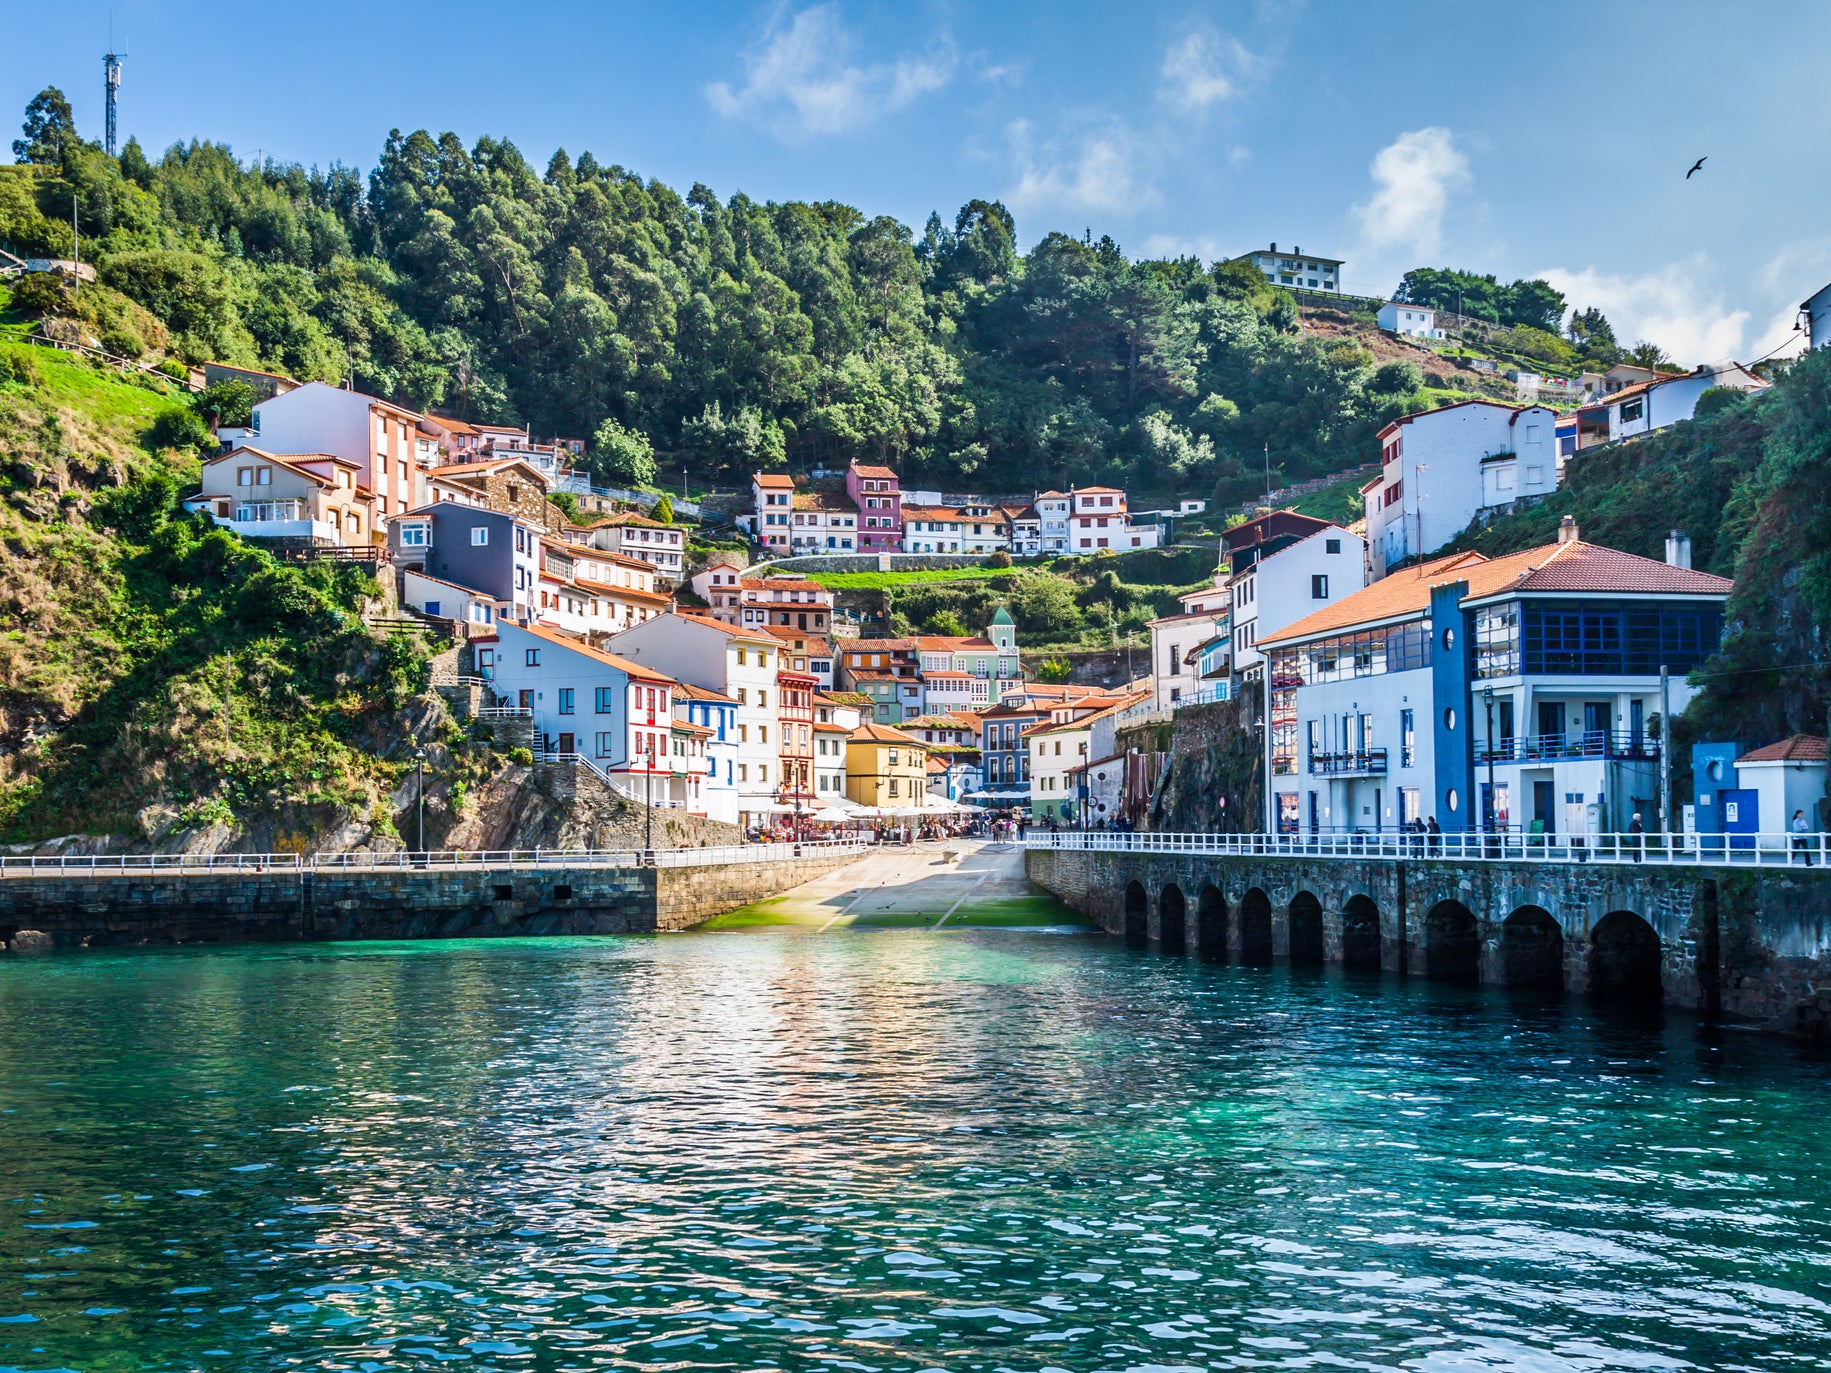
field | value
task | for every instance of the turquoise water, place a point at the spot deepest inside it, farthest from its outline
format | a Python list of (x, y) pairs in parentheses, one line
[(882, 1151)]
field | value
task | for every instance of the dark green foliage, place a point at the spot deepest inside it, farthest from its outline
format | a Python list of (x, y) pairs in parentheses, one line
[(225, 404), (1533, 303), (179, 427), (50, 129)]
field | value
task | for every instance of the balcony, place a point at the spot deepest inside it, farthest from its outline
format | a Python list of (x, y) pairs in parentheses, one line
[(1369, 762), (1622, 745)]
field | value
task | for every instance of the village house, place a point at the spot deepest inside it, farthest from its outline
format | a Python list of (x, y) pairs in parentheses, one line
[(823, 523), (933, 529), (782, 603), (1098, 520), (1419, 321), (1657, 403), (1060, 746), (391, 452), (615, 713), (662, 546), (834, 720), (1295, 269), (984, 529), (1026, 530), (735, 663), (493, 555), (877, 494), (1440, 468), (809, 653), (507, 484), (1053, 509), (1276, 584), (716, 714), (774, 494), (309, 499), (885, 767), (1205, 613)]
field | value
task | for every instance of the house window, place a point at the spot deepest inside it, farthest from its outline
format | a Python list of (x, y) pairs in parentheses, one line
[(413, 535), (606, 701), (565, 700), (1632, 410), (1331, 545), (244, 476), (534, 657), (607, 744), (1319, 587), (479, 535)]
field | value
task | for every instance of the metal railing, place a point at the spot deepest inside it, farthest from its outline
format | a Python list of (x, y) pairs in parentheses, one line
[(1366, 761), (364, 860), (1592, 743), (1694, 850)]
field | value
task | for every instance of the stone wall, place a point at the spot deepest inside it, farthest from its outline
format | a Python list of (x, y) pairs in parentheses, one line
[(1753, 947), (57, 910)]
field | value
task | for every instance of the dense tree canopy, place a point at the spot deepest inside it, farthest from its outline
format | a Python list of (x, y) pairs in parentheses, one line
[(725, 334)]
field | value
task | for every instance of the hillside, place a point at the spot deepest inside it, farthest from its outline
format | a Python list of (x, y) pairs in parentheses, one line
[(154, 670)]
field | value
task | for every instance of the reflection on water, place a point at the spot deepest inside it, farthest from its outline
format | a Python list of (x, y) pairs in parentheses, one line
[(893, 1151)]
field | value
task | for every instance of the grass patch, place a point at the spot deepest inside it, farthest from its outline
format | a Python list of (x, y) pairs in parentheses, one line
[(1017, 911), (880, 581), (1340, 503)]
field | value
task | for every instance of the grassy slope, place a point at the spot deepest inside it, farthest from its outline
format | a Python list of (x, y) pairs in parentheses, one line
[(115, 654)]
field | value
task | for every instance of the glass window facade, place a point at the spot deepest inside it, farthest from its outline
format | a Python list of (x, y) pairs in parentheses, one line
[(1370, 653), (1594, 638)]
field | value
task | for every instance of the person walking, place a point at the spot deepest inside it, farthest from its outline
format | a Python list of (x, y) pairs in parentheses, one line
[(1435, 831), (1635, 830), (1802, 842)]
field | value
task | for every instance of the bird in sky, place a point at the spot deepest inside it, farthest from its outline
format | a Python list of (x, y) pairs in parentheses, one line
[(1694, 166)]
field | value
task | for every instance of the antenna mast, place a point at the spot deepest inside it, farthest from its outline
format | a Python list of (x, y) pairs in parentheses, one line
[(111, 81)]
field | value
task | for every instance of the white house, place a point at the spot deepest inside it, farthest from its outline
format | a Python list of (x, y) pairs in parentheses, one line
[(833, 721), (1817, 312), (1098, 520), (984, 529), (933, 529), (1519, 692), (1284, 587), (662, 546), (1296, 269), (386, 443), (614, 712), (1665, 400), (1062, 747), (737, 663), (1026, 530), (1441, 468), (1785, 777), (1052, 511), (823, 523), (1420, 321), (1175, 672)]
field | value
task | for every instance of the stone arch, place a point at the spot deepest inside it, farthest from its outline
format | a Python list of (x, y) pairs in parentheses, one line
[(1306, 929), (1171, 909), (1211, 922), (1137, 914), (1360, 933), (1532, 950), (1255, 927), (1452, 944), (1624, 960)]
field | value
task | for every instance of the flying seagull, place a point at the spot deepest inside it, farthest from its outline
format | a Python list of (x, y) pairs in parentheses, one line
[(1694, 166)]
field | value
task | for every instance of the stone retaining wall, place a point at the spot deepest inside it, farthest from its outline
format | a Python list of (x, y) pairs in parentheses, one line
[(67, 910), (1753, 946)]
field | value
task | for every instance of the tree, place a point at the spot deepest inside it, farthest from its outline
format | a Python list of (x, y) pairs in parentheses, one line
[(225, 404), (944, 621), (1648, 354), (50, 130), (664, 509), (623, 456), (1591, 334), (1532, 304)]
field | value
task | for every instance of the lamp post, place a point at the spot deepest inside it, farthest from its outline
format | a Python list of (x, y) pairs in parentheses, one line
[(419, 799), (1488, 815), (648, 795)]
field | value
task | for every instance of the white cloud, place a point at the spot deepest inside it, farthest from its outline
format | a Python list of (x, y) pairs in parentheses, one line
[(1414, 176), (1095, 174), (1679, 307), (1205, 67), (798, 81)]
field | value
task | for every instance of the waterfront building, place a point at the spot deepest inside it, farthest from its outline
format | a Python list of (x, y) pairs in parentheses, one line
[(717, 715), (614, 712), (735, 663), (885, 767), (1518, 692), (1061, 747)]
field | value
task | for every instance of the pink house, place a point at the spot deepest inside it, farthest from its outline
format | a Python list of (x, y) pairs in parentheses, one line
[(880, 508)]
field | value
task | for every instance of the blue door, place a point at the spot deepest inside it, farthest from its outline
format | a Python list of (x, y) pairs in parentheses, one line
[(1741, 812)]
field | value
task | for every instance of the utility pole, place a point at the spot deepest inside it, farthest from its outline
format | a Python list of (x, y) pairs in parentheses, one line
[(1268, 476), (228, 684), (1665, 751), (76, 250)]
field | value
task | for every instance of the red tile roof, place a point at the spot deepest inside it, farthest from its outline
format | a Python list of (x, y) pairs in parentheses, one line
[(773, 480), (865, 471), (1799, 748)]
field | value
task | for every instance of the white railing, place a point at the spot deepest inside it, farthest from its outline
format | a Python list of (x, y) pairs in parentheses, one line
[(442, 677), (363, 860), (505, 713), (1697, 850)]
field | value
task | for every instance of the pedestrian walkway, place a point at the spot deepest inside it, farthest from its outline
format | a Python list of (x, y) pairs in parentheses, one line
[(939, 884)]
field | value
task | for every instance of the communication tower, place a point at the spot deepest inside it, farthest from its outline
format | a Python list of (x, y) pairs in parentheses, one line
[(111, 74)]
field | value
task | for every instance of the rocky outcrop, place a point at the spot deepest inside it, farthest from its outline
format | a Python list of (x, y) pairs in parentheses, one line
[(1213, 781)]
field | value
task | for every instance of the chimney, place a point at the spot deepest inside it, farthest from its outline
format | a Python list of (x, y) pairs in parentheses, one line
[(1678, 549), (1567, 529), (1274, 247)]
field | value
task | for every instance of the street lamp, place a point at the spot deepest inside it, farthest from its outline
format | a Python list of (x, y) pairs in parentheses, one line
[(1487, 700), (419, 799), (648, 795)]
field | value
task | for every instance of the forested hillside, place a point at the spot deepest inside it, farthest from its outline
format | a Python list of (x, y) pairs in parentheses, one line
[(731, 333)]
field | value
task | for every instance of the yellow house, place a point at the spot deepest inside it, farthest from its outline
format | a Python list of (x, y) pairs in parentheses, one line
[(885, 767)]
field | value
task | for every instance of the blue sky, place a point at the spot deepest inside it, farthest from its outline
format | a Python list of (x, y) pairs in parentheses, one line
[(1523, 140)]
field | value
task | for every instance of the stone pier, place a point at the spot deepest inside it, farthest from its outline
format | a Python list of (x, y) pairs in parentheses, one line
[(53, 909), (1751, 945)]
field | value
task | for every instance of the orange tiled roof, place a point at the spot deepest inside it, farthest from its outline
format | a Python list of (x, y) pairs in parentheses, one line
[(1799, 748), (773, 480), (647, 674)]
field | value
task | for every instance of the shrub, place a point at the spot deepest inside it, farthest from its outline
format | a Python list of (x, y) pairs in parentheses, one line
[(179, 427), (228, 403), (175, 369), (999, 559), (16, 365), (1398, 378), (664, 510), (523, 756), (944, 622), (1716, 400)]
